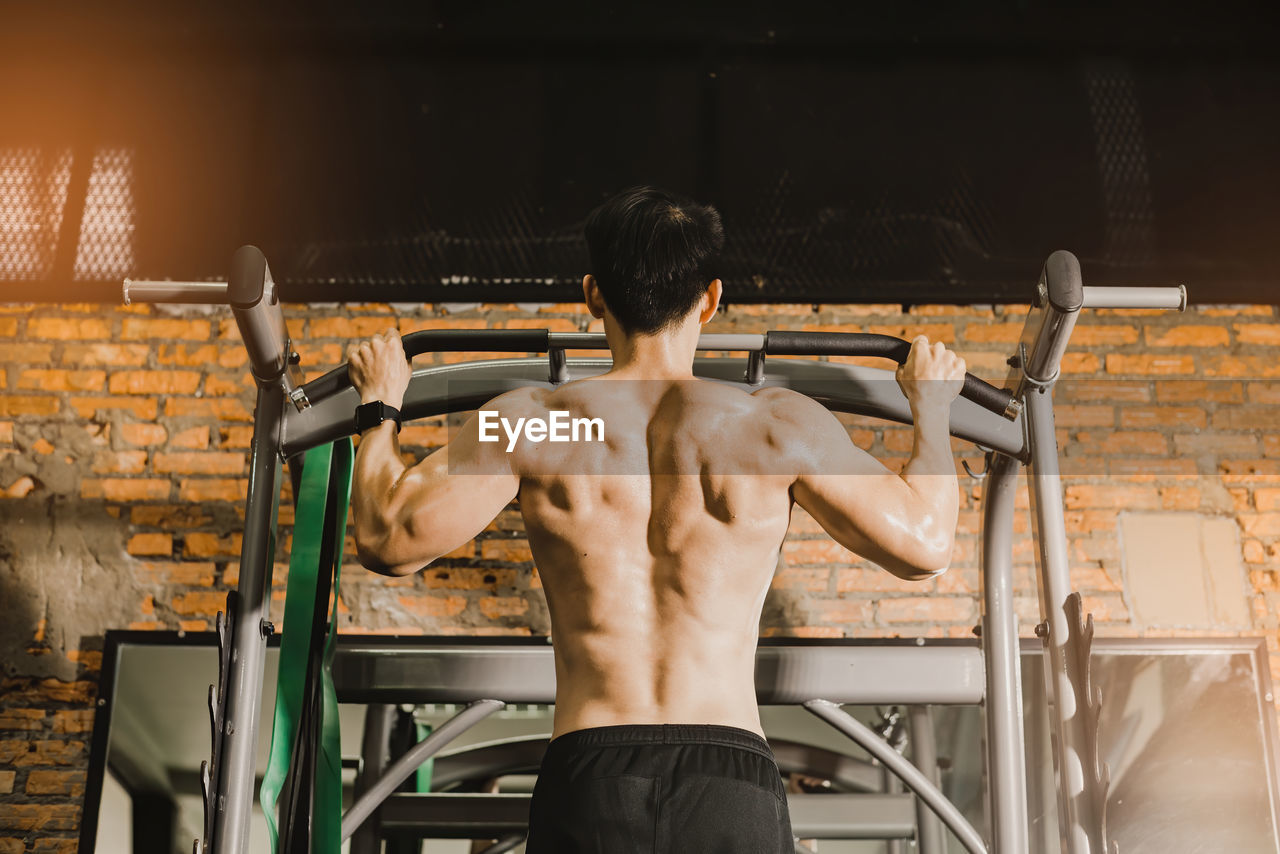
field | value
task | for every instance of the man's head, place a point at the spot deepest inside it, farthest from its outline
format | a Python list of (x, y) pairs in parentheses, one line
[(653, 256)]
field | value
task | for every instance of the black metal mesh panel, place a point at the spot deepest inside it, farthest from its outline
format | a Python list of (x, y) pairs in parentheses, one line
[(105, 248), (33, 195), (1122, 164)]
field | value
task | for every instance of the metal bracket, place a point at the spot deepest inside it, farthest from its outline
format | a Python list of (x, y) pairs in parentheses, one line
[(755, 367), (1097, 774), (558, 365), (223, 624)]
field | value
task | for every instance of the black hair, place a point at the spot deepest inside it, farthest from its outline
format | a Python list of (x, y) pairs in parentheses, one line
[(653, 254)]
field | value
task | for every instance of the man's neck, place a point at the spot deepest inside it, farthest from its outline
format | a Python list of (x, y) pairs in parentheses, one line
[(654, 357)]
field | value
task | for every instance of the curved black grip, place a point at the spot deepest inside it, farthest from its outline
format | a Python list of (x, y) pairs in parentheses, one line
[(784, 343), (443, 341)]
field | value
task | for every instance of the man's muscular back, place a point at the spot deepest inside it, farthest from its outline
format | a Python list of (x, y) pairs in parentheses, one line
[(656, 546)]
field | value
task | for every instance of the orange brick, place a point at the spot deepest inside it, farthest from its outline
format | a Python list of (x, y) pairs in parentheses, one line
[(163, 328), (47, 782), (153, 382), (1218, 444), (60, 380), (6, 432), (1258, 333), (434, 606), (1261, 418), (817, 552), (1186, 335), (104, 355), (31, 354), (1199, 391), (349, 327), (469, 578), (150, 544), (1080, 363), (841, 610), (72, 720), (495, 607), (196, 438), (553, 324), (1109, 335), (1136, 417), (802, 580), (144, 435), (41, 817), (992, 333), (144, 409), (871, 579), (125, 488), (1112, 391), (1242, 366), (220, 386), (1119, 442), (188, 355), (221, 489), (508, 551), (1110, 496), (8, 327), (67, 328), (1147, 363), (203, 544), (22, 719), (926, 609), (212, 462), (222, 408), (238, 436), (49, 752), (28, 404), (1069, 415), (119, 462), (43, 446), (200, 603)]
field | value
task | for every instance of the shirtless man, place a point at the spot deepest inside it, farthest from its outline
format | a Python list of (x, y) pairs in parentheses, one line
[(657, 545)]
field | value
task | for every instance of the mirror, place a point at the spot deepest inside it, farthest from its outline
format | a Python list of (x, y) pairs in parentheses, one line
[(1188, 730)]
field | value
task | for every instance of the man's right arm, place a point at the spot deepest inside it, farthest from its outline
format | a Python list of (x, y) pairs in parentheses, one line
[(904, 522)]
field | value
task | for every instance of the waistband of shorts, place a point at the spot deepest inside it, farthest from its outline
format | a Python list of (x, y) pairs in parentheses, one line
[(621, 735)]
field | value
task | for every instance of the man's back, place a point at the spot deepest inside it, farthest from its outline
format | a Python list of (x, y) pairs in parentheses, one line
[(656, 547)]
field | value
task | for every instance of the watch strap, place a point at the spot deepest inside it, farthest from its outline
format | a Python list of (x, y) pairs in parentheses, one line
[(370, 415)]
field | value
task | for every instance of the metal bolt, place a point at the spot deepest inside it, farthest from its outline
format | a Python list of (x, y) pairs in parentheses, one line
[(977, 630), (267, 627), (102, 701), (1042, 630)]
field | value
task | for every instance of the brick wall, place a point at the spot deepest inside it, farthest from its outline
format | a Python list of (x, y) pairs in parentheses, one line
[(123, 437)]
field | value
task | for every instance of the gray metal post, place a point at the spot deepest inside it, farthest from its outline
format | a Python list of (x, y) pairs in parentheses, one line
[(1081, 793), (1006, 774), (924, 752), (234, 786), (375, 754)]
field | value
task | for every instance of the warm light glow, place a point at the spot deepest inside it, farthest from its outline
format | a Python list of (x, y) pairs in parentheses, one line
[(33, 194)]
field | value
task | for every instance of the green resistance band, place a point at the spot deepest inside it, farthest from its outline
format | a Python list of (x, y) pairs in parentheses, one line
[(304, 684)]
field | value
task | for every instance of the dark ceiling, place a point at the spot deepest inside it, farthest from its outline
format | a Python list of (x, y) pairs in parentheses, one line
[(910, 152)]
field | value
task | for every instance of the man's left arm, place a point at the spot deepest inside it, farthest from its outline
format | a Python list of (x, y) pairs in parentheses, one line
[(407, 516)]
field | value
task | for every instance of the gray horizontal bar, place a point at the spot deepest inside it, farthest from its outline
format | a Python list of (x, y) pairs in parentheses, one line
[(1174, 299), (474, 816), (844, 388), (409, 673), (188, 292), (720, 341)]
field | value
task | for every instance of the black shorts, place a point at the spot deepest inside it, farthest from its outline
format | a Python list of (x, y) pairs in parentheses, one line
[(657, 789)]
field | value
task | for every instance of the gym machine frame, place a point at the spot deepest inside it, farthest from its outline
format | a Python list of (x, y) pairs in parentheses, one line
[(1014, 425)]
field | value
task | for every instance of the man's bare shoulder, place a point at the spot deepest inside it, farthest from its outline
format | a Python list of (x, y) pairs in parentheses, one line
[(791, 409)]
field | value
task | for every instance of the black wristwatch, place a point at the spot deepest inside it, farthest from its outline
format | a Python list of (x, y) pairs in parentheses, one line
[(370, 415)]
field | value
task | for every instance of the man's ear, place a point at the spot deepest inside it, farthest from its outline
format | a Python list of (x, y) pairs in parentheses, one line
[(592, 296), (710, 301)]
